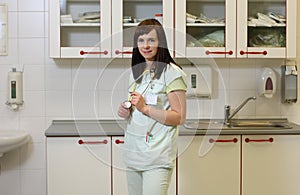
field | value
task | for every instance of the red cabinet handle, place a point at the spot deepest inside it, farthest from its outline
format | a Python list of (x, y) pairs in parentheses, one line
[(92, 142), (119, 141), (207, 52), (122, 52), (234, 140), (254, 52), (93, 52), (247, 140)]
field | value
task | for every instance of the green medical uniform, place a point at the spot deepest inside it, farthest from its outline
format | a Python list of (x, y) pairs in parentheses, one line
[(148, 143)]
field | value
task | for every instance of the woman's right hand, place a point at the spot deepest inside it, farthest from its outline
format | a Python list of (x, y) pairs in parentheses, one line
[(123, 111)]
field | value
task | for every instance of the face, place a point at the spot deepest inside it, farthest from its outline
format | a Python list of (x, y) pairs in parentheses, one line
[(148, 45)]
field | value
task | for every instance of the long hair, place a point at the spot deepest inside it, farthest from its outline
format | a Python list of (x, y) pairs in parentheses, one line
[(163, 57)]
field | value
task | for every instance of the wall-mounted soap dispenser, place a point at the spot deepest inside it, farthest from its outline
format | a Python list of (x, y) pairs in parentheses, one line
[(267, 84), (289, 83), (15, 89)]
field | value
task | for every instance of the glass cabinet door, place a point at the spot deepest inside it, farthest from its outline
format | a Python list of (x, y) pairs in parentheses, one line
[(78, 28), (205, 28), (263, 29), (126, 16)]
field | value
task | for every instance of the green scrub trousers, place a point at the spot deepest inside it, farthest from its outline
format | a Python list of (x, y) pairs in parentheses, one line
[(150, 182)]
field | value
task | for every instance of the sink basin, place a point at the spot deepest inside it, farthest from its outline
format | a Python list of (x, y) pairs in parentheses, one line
[(259, 124), (247, 124), (12, 139)]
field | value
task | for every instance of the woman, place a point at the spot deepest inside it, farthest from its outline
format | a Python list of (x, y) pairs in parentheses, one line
[(157, 95)]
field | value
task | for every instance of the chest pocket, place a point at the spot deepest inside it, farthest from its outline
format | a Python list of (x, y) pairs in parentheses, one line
[(157, 89)]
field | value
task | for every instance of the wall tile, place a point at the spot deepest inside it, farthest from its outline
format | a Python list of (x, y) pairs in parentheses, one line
[(242, 75), (58, 77), (35, 126), (34, 77), (32, 51), (263, 108), (113, 77), (109, 102), (34, 104), (31, 24), (13, 53), (237, 97), (33, 182), (33, 156), (10, 121), (13, 25), (31, 5), (84, 104), (7, 179), (85, 74), (12, 5), (59, 104), (194, 108)]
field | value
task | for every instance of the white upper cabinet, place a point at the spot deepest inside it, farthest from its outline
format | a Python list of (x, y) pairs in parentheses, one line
[(80, 28), (269, 26), (236, 28), (194, 28), (205, 28), (126, 14)]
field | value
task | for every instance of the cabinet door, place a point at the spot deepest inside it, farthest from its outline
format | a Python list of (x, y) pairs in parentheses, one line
[(119, 172), (209, 165), (118, 167), (271, 165), (205, 28), (79, 166), (259, 36), (80, 28), (128, 13)]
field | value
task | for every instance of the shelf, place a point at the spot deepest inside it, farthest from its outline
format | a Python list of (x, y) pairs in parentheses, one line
[(273, 26), (205, 24), (130, 24), (80, 25)]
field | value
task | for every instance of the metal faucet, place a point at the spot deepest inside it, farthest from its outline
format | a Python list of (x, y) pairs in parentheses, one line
[(228, 116)]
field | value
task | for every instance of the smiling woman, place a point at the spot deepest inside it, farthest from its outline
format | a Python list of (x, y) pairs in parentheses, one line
[(158, 105), (148, 45)]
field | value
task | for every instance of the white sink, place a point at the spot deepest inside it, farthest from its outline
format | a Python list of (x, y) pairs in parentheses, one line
[(12, 139)]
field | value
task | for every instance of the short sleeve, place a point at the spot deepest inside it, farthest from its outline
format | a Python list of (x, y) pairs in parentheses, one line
[(177, 84)]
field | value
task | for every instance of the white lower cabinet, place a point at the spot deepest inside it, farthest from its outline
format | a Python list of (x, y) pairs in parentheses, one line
[(209, 165), (239, 165), (78, 166), (271, 165), (88, 165)]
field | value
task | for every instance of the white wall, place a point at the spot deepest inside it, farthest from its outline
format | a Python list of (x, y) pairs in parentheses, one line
[(48, 93)]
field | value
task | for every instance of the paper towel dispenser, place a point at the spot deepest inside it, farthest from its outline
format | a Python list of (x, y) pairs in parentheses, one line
[(289, 83), (199, 81)]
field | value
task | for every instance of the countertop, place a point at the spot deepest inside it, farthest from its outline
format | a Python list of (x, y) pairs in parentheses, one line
[(77, 128)]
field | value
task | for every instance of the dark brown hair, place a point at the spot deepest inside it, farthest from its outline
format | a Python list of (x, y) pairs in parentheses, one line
[(163, 56)]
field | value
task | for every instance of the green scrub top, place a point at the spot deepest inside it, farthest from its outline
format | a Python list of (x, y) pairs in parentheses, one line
[(148, 143)]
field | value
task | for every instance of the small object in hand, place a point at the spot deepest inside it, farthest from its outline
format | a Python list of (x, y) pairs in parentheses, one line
[(127, 104)]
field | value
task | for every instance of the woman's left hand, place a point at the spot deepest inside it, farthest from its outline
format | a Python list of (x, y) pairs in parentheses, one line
[(138, 101)]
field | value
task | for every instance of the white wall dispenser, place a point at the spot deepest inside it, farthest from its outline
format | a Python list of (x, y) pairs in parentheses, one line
[(267, 83), (289, 84), (15, 89), (199, 81)]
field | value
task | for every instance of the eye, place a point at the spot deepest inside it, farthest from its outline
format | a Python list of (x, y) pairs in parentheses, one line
[(140, 41), (152, 41)]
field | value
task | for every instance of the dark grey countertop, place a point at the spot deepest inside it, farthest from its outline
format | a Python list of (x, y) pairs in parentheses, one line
[(77, 128)]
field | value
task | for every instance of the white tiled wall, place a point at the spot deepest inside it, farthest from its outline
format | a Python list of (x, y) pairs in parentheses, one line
[(64, 89)]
